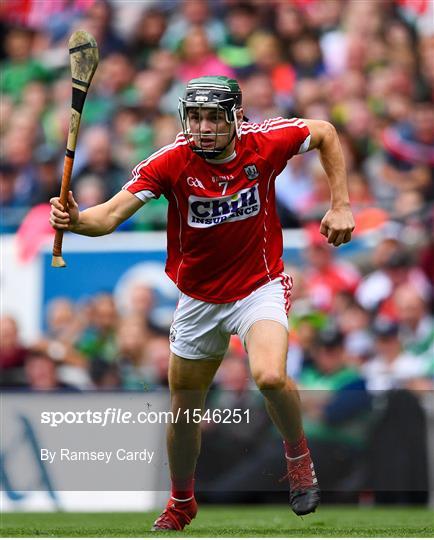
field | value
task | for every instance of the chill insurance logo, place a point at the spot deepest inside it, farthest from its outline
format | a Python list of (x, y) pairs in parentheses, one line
[(206, 212)]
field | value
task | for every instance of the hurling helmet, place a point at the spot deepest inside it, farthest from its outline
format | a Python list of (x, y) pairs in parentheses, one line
[(217, 92)]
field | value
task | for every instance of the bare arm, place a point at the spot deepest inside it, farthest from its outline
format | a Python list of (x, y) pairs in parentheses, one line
[(96, 220), (338, 223)]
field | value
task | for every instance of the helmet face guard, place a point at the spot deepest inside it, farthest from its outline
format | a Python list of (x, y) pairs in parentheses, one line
[(220, 94)]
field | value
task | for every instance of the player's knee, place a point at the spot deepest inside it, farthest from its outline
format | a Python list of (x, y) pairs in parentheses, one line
[(270, 380)]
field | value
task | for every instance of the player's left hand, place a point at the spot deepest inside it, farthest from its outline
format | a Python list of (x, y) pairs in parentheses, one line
[(337, 225)]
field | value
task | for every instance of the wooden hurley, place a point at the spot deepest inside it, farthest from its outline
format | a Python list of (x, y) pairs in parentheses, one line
[(83, 54)]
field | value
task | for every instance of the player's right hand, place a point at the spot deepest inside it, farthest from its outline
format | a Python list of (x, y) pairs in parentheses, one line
[(61, 218)]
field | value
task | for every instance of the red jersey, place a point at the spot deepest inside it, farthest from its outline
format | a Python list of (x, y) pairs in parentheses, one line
[(224, 238)]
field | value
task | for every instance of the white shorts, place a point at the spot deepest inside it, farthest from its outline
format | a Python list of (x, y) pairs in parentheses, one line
[(202, 330)]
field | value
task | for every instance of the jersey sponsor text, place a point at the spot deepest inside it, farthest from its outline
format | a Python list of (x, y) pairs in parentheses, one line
[(206, 212)]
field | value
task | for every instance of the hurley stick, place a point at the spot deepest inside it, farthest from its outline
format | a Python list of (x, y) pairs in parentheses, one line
[(83, 54)]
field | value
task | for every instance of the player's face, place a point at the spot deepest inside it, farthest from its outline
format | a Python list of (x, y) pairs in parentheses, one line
[(209, 128)]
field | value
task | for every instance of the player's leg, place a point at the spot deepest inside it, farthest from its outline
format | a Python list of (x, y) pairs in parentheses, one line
[(267, 346), (189, 381), (197, 345), (267, 343)]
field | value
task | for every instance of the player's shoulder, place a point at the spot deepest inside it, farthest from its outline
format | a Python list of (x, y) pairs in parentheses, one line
[(178, 147), (163, 156), (271, 125)]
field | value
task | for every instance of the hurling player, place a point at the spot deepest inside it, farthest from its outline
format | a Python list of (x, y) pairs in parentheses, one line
[(225, 256)]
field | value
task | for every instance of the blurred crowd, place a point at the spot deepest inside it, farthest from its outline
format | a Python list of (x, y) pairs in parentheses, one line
[(364, 325)]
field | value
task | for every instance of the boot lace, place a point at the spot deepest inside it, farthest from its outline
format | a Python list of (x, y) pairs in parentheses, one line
[(299, 473), (173, 516)]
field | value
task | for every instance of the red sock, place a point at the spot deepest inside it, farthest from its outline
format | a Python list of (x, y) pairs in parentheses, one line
[(182, 489), (297, 449)]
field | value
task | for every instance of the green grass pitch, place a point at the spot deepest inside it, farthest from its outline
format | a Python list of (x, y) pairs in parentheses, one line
[(233, 521)]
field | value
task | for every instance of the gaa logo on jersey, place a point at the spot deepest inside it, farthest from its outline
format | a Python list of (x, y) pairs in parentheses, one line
[(206, 212), (251, 172)]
